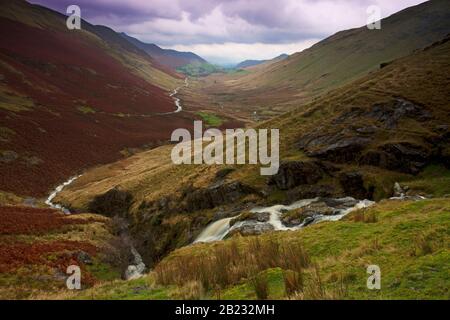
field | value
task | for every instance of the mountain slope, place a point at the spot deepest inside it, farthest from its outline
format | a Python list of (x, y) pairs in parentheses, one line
[(357, 141), (343, 57), (72, 99), (167, 57), (252, 63)]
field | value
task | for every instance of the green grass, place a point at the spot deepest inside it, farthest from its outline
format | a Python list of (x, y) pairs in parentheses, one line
[(103, 271), (211, 119), (435, 180), (410, 242), (198, 69), (140, 289)]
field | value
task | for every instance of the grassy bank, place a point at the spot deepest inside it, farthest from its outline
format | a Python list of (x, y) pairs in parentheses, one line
[(408, 240)]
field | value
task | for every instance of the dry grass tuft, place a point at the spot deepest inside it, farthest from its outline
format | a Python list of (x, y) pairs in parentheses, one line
[(228, 264)]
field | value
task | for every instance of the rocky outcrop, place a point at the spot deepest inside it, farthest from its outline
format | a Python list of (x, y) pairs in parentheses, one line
[(351, 137), (353, 185), (404, 157), (311, 192), (216, 195), (251, 228), (386, 114), (115, 202), (342, 149), (251, 217), (294, 173)]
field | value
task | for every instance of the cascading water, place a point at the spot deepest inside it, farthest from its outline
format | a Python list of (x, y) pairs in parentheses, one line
[(55, 192), (215, 231), (218, 230)]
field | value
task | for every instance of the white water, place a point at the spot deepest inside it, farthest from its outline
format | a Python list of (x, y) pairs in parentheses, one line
[(176, 99), (59, 188), (218, 230), (55, 192), (215, 231)]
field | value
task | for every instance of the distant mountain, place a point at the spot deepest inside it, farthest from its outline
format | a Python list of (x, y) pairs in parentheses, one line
[(70, 99), (167, 57), (348, 54), (251, 63)]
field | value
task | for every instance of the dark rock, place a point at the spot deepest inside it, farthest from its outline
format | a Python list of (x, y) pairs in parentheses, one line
[(115, 202), (403, 157), (310, 192), (353, 185), (216, 195), (253, 229), (222, 174), (308, 221), (386, 113), (296, 217), (295, 173), (344, 150), (84, 257), (342, 203), (367, 130)]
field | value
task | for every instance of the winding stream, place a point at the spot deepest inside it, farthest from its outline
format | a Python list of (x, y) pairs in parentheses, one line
[(55, 192), (176, 99), (59, 189)]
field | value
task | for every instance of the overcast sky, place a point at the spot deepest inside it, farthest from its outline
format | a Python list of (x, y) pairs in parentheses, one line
[(229, 31)]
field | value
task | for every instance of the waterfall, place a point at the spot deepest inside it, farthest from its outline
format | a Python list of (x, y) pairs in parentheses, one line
[(215, 231)]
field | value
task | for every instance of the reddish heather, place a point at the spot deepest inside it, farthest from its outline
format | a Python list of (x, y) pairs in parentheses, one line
[(14, 256), (25, 220), (61, 71)]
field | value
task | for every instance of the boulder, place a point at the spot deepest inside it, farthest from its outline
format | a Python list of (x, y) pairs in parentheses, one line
[(252, 229), (306, 214)]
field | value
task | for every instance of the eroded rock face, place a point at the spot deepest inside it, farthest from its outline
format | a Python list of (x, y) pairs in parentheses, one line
[(403, 157), (216, 195), (311, 192), (387, 114), (350, 138), (115, 202), (353, 185), (345, 149), (294, 173)]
